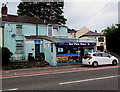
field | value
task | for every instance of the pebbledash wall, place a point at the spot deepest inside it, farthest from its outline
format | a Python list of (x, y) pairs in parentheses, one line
[(29, 29)]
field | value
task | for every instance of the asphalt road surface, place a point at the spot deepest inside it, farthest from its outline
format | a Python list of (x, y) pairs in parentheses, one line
[(94, 79)]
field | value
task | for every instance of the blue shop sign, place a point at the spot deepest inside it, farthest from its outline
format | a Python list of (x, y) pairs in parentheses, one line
[(76, 44), (36, 41)]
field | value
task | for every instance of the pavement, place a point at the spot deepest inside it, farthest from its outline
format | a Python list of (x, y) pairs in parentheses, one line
[(41, 69)]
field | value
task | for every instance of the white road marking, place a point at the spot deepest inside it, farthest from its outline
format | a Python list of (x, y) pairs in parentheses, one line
[(63, 83), (12, 89)]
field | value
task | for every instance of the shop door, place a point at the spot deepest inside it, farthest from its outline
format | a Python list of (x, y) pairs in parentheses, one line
[(80, 53), (37, 50), (101, 48)]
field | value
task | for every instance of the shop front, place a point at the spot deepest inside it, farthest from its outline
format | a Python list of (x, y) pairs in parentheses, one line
[(71, 52)]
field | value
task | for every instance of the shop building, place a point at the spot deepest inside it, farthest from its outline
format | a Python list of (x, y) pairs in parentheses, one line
[(100, 40), (86, 35), (27, 36), (70, 52)]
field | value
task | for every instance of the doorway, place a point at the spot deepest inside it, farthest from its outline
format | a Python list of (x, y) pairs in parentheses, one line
[(37, 50), (80, 53)]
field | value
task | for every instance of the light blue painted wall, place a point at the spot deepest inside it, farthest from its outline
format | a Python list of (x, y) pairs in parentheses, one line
[(29, 48), (54, 58), (63, 31), (27, 30), (47, 51), (9, 41), (42, 30)]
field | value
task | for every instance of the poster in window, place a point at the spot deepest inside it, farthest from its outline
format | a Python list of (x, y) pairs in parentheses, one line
[(47, 45), (60, 49)]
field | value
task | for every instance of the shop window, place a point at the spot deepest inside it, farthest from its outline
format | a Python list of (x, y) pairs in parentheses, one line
[(101, 39), (92, 37), (60, 49), (19, 47), (101, 48), (19, 29), (67, 50)]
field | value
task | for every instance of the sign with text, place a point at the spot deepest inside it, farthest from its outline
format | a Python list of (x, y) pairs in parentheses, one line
[(76, 44)]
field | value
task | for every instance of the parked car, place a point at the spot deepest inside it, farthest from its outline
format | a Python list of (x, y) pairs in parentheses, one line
[(99, 58)]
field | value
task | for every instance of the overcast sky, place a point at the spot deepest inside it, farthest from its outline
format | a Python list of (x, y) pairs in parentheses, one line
[(95, 14)]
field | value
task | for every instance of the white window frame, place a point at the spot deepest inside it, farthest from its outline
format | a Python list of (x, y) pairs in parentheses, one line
[(57, 32), (99, 40), (18, 29), (48, 30), (19, 47)]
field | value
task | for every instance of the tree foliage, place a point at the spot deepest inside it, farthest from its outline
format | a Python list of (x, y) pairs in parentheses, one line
[(113, 38), (51, 11)]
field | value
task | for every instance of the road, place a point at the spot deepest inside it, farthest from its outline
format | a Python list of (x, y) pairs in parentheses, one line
[(85, 79)]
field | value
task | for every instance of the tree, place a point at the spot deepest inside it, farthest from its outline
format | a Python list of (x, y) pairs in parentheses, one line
[(6, 54), (113, 38), (51, 11)]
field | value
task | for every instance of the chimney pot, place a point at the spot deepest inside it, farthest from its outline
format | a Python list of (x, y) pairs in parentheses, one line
[(4, 10)]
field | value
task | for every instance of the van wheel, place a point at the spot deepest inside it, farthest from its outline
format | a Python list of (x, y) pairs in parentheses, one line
[(114, 62), (95, 64)]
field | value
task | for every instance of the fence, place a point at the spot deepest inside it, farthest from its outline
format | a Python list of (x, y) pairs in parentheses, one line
[(17, 58)]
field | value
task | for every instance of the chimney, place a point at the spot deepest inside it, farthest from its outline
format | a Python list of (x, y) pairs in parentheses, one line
[(4, 10), (95, 31)]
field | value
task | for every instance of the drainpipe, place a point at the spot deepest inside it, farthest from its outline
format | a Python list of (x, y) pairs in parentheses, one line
[(37, 28), (4, 11), (2, 34)]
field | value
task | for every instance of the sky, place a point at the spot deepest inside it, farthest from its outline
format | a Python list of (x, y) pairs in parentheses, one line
[(93, 14)]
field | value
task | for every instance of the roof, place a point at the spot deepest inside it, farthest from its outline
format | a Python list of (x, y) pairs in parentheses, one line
[(71, 31), (25, 19), (82, 31), (91, 33), (51, 39)]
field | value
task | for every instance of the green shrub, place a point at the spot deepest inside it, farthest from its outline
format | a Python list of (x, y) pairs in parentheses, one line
[(6, 54)]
